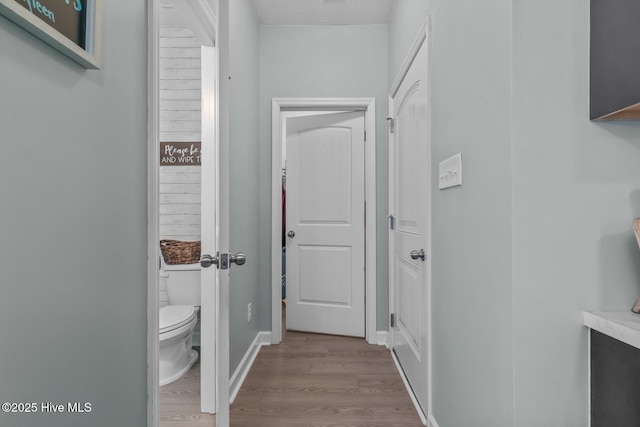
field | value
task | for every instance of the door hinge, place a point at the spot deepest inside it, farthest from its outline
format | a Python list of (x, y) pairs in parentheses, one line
[(392, 124), (392, 222), (392, 320)]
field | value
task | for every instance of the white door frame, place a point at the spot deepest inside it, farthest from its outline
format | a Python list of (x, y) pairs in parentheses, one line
[(206, 22), (222, 146), (424, 413), (279, 108), (153, 217)]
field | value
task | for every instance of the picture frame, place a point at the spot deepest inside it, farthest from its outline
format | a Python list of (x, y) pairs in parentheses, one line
[(72, 27)]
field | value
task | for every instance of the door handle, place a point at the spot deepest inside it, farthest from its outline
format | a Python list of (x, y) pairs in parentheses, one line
[(418, 254), (291, 234), (207, 260), (239, 258)]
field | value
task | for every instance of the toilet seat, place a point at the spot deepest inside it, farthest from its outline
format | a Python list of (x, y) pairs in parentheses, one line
[(173, 317)]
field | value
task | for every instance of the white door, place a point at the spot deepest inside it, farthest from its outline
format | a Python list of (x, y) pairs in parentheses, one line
[(325, 211), (215, 238), (411, 214), (209, 239)]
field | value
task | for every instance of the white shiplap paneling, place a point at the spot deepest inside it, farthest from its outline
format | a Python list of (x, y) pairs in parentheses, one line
[(180, 188), (180, 74), (180, 85), (174, 198), (176, 115), (173, 105), (171, 63), (180, 106), (180, 126), (180, 136)]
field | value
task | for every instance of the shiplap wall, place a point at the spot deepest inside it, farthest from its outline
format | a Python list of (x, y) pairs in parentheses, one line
[(179, 122)]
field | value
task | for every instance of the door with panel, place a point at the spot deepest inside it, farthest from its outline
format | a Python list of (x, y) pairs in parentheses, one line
[(410, 209), (216, 258), (325, 213)]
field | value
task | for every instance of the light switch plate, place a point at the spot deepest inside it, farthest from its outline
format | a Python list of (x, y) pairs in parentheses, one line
[(450, 172)]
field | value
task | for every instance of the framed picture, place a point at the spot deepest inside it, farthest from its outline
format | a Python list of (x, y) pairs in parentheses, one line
[(71, 26)]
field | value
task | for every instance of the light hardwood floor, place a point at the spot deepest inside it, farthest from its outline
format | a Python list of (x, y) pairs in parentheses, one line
[(309, 380), (313, 380), (180, 402)]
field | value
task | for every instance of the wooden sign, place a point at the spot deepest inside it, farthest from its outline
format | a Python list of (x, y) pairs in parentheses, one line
[(180, 153), (71, 26), (68, 17)]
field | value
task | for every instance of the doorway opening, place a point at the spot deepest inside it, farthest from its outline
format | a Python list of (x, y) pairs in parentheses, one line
[(283, 109), (181, 209)]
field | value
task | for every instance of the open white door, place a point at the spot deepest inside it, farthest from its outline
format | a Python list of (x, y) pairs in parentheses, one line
[(210, 223), (409, 239), (220, 261), (215, 258)]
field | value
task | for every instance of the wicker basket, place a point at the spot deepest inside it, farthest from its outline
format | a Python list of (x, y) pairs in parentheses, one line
[(180, 252)]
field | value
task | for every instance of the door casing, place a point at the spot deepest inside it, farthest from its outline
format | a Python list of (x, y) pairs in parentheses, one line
[(279, 109), (153, 216)]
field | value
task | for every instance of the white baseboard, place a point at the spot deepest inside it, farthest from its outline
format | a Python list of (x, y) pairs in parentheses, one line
[(240, 374), (382, 338), (421, 413), (432, 421)]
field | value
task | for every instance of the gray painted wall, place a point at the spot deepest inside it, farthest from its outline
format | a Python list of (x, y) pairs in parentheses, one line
[(540, 229), (324, 61), (576, 190), (407, 17), (471, 247), (244, 166), (73, 225)]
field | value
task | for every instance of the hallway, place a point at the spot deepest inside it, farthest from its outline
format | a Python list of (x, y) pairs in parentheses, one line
[(309, 380), (312, 380)]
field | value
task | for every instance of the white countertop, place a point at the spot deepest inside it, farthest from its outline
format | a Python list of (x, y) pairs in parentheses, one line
[(621, 325)]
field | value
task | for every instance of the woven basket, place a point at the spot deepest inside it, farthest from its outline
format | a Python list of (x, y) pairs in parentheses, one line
[(180, 252)]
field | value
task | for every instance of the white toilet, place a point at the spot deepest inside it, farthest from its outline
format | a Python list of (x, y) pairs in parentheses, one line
[(178, 319)]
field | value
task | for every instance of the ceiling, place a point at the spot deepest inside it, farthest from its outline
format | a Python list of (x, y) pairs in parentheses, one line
[(323, 12)]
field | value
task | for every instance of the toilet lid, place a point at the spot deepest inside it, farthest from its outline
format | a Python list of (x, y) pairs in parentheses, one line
[(174, 316)]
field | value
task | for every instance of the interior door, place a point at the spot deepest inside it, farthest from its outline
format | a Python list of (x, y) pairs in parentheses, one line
[(411, 219), (325, 213), (216, 259), (210, 222)]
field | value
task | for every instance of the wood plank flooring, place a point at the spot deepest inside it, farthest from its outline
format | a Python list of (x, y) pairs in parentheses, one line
[(313, 380), (180, 402), (309, 380)]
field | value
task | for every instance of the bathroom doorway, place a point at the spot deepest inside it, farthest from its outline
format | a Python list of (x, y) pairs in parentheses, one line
[(183, 162), (180, 202)]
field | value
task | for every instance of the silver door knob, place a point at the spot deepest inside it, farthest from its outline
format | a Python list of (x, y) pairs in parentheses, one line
[(418, 254), (239, 258), (291, 234), (207, 260)]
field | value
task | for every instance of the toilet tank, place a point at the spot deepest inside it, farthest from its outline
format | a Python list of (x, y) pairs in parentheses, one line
[(182, 283)]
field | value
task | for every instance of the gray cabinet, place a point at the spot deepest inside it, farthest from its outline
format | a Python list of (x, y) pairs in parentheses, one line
[(615, 375), (615, 60)]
